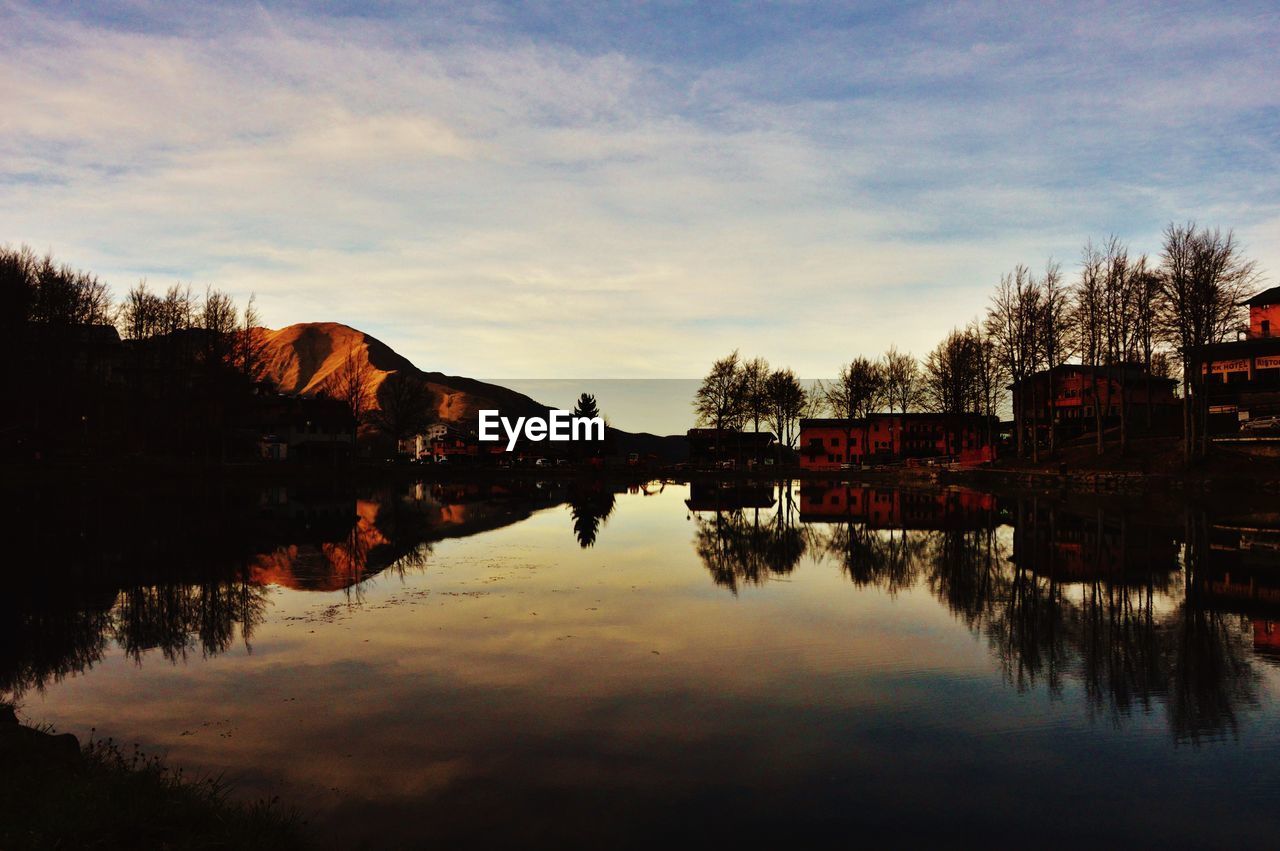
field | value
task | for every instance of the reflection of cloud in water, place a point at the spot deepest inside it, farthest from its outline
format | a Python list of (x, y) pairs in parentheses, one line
[(579, 692)]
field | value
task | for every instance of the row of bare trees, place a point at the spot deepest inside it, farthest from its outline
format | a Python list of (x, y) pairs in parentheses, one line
[(738, 392), (1127, 317), (961, 376)]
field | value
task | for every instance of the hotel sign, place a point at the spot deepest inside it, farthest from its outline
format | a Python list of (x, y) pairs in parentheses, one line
[(1238, 365)]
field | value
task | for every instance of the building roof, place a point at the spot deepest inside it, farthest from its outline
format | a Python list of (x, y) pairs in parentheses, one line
[(1117, 370), (840, 422), (1270, 296), (1239, 348), (730, 434)]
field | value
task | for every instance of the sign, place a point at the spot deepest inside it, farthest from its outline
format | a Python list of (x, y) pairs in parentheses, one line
[(1237, 365), (1269, 362)]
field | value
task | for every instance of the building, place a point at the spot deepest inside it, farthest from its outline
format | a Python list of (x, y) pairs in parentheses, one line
[(419, 445), (894, 508), (303, 428), (826, 444), (709, 446), (1242, 378), (1067, 399)]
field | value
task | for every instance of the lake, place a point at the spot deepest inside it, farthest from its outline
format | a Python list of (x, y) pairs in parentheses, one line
[(577, 663)]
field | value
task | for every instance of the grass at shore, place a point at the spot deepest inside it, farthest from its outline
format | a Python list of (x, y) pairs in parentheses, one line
[(116, 798)]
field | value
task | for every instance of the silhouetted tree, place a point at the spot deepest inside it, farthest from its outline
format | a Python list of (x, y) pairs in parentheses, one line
[(902, 385), (1013, 323), (586, 407), (720, 400), (1205, 280), (786, 400), (351, 384), (755, 399), (405, 406), (857, 391)]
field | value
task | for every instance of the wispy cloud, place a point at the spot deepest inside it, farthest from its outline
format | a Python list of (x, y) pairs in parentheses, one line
[(624, 190)]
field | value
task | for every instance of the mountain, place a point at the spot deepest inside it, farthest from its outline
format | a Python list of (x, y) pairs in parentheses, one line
[(304, 358)]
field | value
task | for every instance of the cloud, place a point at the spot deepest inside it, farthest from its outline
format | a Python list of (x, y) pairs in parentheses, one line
[(507, 191)]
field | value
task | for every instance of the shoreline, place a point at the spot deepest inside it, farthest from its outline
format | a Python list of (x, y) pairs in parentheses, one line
[(1264, 478)]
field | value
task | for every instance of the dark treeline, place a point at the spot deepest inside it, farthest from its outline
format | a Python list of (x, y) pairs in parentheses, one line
[(1112, 600), (173, 373), (1120, 309), (187, 371)]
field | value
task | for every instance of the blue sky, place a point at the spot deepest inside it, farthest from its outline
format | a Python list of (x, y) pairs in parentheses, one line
[(629, 190)]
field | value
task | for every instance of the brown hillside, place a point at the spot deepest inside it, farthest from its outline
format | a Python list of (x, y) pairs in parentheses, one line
[(303, 358)]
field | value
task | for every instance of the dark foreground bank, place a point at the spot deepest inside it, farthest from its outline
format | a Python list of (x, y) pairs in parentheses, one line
[(55, 794)]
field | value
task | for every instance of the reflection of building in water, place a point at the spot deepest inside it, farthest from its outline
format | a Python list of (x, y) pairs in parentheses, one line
[(1243, 576), (1079, 546), (891, 508), (826, 444), (729, 496)]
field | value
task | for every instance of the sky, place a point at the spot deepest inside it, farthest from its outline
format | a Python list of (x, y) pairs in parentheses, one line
[(629, 190)]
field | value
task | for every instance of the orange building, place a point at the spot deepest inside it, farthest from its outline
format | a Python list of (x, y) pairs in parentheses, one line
[(827, 444), (1242, 378), (1264, 314)]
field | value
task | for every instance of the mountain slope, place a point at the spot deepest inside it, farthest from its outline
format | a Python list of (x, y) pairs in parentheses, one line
[(304, 358)]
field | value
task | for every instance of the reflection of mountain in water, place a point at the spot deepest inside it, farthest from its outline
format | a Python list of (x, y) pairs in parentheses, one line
[(185, 571), (1140, 609)]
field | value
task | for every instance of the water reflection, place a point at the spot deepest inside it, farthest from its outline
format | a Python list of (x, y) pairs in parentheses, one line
[(735, 543), (189, 572), (1142, 609)]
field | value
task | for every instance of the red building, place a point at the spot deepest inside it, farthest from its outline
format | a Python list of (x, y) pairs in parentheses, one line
[(1067, 398), (1242, 378), (826, 444), (893, 508)]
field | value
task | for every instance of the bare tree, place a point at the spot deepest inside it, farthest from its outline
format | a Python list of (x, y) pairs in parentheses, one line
[(755, 373), (351, 384), (1089, 318), (1147, 295), (405, 405), (952, 382), (1013, 324), (786, 399), (1054, 335), (902, 383), (251, 345), (139, 315), (857, 391), (719, 402), (18, 285), (990, 378), (1205, 281)]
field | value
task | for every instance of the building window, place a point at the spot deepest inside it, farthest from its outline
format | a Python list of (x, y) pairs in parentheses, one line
[(1266, 327)]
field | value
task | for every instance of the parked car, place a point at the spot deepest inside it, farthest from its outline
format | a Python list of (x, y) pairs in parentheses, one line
[(1260, 424)]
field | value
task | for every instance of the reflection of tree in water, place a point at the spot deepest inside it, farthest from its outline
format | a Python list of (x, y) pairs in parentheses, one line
[(590, 508), (1104, 602), (175, 619), (158, 572), (883, 558), (739, 546)]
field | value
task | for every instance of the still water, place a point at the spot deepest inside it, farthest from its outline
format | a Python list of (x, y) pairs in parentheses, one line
[(572, 663)]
